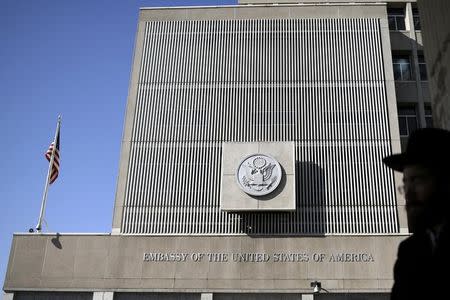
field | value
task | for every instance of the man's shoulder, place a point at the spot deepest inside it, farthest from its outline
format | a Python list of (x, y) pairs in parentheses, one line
[(415, 243)]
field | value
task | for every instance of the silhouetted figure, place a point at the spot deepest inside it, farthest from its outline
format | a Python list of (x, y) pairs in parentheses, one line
[(421, 270)]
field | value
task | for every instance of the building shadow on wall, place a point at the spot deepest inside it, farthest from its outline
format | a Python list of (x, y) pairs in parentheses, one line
[(309, 217), (311, 197)]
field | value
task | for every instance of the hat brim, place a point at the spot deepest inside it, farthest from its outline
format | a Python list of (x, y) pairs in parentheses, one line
[(396, 162)]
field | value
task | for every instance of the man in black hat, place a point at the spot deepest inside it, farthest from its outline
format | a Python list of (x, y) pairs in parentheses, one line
[(423, 259)]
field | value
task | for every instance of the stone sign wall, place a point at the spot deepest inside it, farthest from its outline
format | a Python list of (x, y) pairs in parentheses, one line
[(201, 263)]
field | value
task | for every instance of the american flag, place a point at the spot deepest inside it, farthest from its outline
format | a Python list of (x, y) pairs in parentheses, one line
[(55, 168)]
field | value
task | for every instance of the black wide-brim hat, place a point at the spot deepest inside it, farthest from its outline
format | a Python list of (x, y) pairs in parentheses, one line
[(426, 146)]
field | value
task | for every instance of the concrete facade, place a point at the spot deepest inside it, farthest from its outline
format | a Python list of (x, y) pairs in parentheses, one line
[(208, 264), (310, 83), (436, 31), (357, 128)]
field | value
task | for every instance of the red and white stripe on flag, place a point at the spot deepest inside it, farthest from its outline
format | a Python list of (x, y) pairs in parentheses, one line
[(55, 168)]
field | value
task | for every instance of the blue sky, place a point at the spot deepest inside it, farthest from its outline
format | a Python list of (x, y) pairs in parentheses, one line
[(71, 58)]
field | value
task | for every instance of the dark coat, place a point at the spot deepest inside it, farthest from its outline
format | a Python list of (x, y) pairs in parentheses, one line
[(421, 271)]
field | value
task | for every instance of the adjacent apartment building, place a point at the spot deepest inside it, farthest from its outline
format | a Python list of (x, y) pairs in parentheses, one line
[(251, 159)]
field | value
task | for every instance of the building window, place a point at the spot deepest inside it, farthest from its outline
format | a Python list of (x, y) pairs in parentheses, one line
[(407, 121), (422, 68), (396, 18), (402, 67), (428, 116), (416, 19)]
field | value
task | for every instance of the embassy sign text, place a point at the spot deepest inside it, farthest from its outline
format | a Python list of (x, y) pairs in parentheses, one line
[(276, 257)]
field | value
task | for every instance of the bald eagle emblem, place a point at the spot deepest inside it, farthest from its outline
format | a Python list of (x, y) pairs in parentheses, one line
[(259, 174)]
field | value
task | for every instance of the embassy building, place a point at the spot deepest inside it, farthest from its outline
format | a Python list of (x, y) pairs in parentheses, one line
[(251, 163)]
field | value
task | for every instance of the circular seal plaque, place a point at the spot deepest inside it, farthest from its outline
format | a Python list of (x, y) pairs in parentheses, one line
[(258, 174)]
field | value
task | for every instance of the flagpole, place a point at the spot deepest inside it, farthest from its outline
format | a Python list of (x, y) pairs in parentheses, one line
[(50, 166)]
